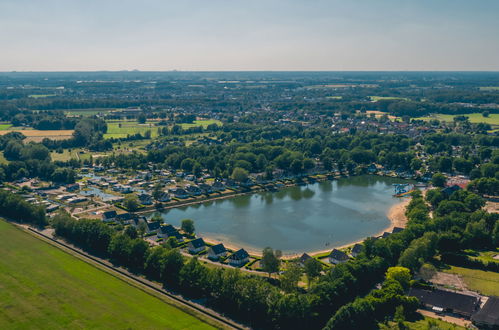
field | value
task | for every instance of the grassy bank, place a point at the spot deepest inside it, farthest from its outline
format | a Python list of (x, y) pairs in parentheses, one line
[(44, 287)]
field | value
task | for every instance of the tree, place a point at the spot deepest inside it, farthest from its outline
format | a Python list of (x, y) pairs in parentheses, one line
[(240, 174), (399, 274), (270, 260), (313, 269), (131, 203), (157, 191), (486, 113), (188, 226), (141, 119), (131, 232), (291, 277), (438, 180)]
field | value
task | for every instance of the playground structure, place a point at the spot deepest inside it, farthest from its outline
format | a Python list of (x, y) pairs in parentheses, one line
[(402, 189)]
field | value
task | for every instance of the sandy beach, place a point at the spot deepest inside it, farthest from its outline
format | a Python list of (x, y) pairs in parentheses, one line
[(396, 215)]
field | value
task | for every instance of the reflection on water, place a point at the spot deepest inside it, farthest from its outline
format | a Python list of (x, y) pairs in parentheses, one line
[(296, 219)]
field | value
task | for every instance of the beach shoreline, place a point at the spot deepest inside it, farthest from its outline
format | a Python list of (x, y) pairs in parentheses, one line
[(395, 214)]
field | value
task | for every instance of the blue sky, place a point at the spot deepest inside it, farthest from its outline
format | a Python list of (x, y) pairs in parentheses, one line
[(249, 35)]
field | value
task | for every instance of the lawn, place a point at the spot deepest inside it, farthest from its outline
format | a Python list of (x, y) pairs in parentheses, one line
[(86, 112), (484, 282), (122, 128), (2, 159), (203, 123), (378, 98), (490, 88), (40, 96), (424, 324), (4, 126), (43, 287), (492, 119)]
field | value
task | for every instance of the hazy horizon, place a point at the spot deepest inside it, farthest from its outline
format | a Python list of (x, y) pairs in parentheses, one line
[(275, 35)]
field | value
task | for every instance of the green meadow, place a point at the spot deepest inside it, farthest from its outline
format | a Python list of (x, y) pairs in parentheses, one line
[(42, 287)]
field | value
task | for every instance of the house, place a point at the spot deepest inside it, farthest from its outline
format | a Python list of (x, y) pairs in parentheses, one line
[(218, 186), (124, 217), (136, 221), (304, 257), (153, 227), (450, 190), (197, 245), (72, 187), (337, 257), (385, 234), (488, 316), (215, 252), (397, 230), (164, 197), (446, 301), (179, 193), (194, 190), (206, 188), (167, 231), (239, 258), (145, 199), (109, 216), (356, 250)]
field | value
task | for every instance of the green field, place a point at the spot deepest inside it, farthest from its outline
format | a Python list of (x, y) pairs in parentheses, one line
[(492, 119), (484, 282), (86, 112), (490, 88), (423, 324), (43, 287), (4, 126), (2, 158), (378, 98), (40, 96), (122, 128), (203, 123)]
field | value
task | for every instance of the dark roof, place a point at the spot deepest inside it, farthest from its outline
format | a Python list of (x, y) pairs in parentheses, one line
[(489, 314), (124, 216), (385, 234), (197, 243), (449, 190), (397, 230), (169, 230), (304, 257), (240, 254), (109, 214), (338, 255), (458, 303), (357, 248), (219, 248), (153, 225)]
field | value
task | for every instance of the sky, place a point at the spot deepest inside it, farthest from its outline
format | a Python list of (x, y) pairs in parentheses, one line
[(216, 35)]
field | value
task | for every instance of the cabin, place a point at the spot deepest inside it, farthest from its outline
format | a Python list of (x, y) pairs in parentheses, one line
[(195, 246), (397, 230), (109, 216), (164, 197), (145, 199), (124, 217), (356, 250), (338, 257), (179, 193), (167, 231), (239, 258), (303, 259), (440, 301), (194, 190), (215, 252), (488, 316), (153, 227)]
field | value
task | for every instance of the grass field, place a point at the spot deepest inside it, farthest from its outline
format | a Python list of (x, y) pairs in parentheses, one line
[(203, 123), (40, 96), (492, 119), (122, 128), (378, 98), (86, 112), (423, 324), (484, 282), (38, 135), (4, 126), (43, 287), (2, 158), (489, 88)]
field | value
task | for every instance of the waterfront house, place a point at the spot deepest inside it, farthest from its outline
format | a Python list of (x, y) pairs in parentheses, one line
[(303, 259), (337, 257), (356, 250), (397, 230), (153, 227), (446, 301), (197, 245), (145, 199), (179, 193), (194, 190), (217, 251), (239, 258), (206, 188), (218, 186), (164, 197), (109, 216), (167, 231)]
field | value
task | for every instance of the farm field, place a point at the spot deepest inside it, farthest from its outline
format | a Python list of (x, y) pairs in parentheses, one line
[(203, 123), (67, 155), (423, 324), (86, 112), (38, 135), (122, 128), (40, 96), (492, 119), (484, 282), (489, 88), (44, 287), (378, 98), (4, 126)]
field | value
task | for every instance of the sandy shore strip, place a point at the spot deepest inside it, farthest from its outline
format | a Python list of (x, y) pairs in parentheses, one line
[(396, 215)]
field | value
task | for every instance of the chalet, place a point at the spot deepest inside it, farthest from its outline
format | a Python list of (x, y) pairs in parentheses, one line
[(239, 258), (303, 259), (337, 257), (356, 250), (109, 216), (153, 227), (167, 231), (215, 252), (164, 197), (145, 199), (195, 246), (446, 301), (488, 316)]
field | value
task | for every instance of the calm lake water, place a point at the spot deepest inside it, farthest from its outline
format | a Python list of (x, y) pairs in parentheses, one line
[(296, 219)]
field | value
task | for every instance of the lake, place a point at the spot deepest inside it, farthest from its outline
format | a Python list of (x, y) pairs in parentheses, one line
[(296, 219)]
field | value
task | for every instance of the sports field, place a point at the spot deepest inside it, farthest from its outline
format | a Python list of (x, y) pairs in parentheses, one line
[(42, 287)]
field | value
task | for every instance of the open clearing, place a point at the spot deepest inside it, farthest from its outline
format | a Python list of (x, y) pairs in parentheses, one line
[(203, 123), (486, 283), (378, 98), (492, 119), (44, 287), (490, 88), (4, 126), (122, 128), (423, 324), (38, 135)]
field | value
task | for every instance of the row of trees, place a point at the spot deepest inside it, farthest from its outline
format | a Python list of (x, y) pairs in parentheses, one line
[(15, 207)]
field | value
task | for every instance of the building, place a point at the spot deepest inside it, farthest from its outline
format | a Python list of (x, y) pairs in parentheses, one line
[(337, 257), (167, 231), (215, 252), (239, 258), (488, 316), (397, 230), (446, 301), (109, 216), (356, 250), (197, 245), (145, 199), (303, 259), (153, 227)]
